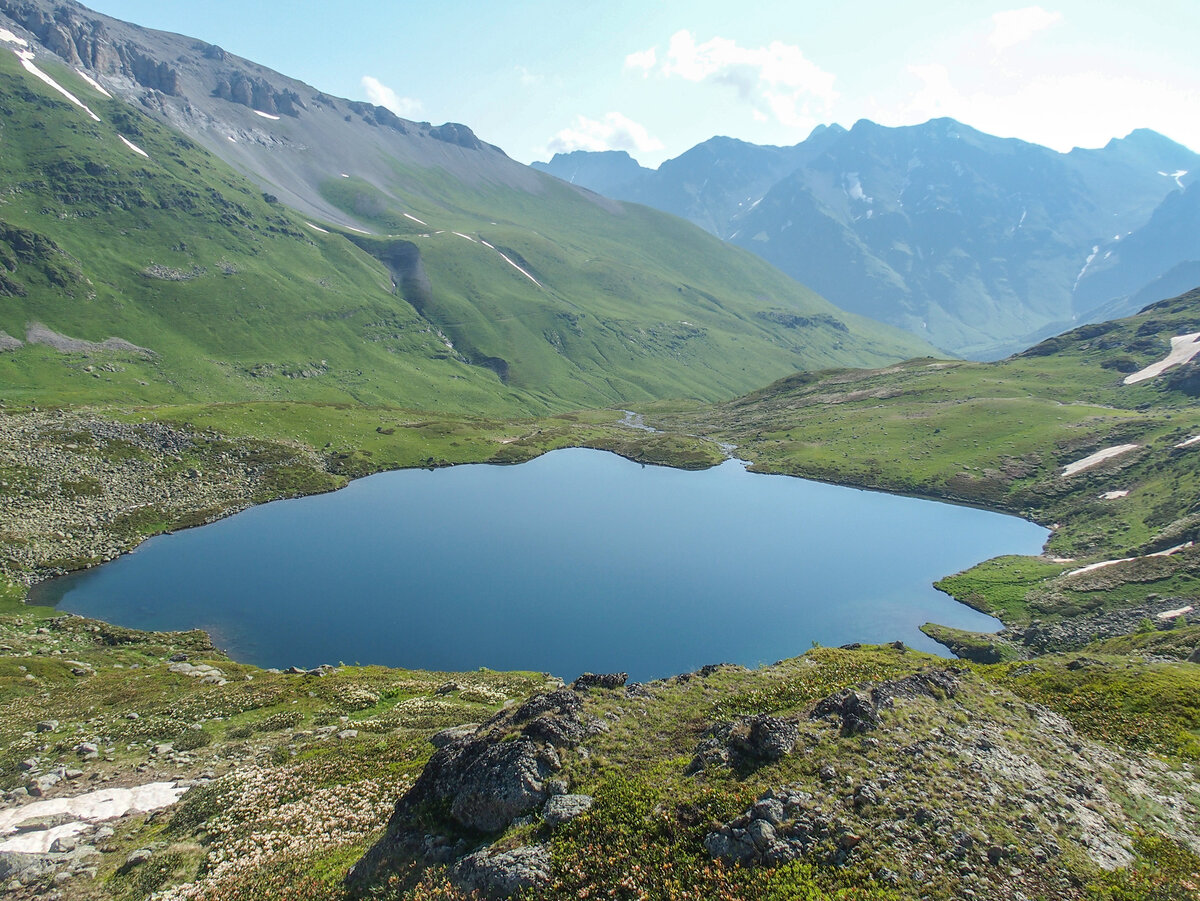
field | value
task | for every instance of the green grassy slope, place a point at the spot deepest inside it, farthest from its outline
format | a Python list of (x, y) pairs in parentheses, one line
[(239, 298), (1000, 435)]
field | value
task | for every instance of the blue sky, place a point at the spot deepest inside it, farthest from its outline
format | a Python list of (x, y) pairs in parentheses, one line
[(656, 77)]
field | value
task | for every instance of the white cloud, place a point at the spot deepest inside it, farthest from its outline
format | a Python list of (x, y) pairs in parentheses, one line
[(777, 80), (1060, 109), (1016, 26), (527, 78), (381, 95), (644, 60), (614, 132)]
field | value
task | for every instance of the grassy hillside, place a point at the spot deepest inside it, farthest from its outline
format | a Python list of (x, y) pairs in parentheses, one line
[(1002, 435), (225, 294), (960, 782)]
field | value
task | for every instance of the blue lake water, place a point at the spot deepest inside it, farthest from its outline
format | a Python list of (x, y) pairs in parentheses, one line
[(579, 560)]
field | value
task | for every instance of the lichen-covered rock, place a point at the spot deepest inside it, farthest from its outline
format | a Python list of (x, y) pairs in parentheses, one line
[(763, 737), (500, 782), (856, 711), (498, 874), (561, 809), (859, 712), (603, 680)]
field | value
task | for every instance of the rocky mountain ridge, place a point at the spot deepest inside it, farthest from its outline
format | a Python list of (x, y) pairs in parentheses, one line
[(979, 244)]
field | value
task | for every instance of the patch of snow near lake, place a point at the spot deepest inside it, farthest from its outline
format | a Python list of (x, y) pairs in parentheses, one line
[(26, 58), (1113, 495), (132, 146), (1175, 614), (6, 35), (415, 219), (1183, 348), (93, 807), (316, 228), (361, 231), (1098, 457), (99, 87), (1094, 566), (259, 112), (1195, 439)]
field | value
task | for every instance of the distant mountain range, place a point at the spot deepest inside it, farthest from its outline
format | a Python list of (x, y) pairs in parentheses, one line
[(981, 245), (244, 235)]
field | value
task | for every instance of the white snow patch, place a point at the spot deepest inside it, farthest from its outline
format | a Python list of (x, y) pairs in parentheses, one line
[(93, 807), (9, 37), (361, 231), (1024, 213), (1098, 457), (1093, 566), (415, 219), (259, 112), (1113, 495), (507, 260), (855, 188), (316, 228), (519, 269), (1177, 175), (344, 175), (1175, 614), (461, 235), (132, 146), (99, 87), (1086, 263), (39, 841), (1183, 348), (1195, 439), (26, 57)]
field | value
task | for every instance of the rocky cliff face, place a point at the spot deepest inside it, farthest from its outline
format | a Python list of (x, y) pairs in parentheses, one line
[(286, 135)]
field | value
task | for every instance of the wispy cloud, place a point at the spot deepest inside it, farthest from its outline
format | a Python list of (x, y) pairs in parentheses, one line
[(778, 80), (645, 60), (381, 95), (527, 78), (613, 132), (1016, 26)]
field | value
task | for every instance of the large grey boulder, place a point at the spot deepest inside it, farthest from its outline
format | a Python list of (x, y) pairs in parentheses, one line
[(500, 782)]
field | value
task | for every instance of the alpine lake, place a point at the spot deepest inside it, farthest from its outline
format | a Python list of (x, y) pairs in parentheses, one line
[(577, 561)]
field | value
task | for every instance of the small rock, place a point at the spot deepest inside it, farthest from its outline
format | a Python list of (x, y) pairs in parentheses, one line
[(348, 733), (46, 726), (141, 855), (63, 844), (603, 680), (561, 809), (504, 873), (452, 734)]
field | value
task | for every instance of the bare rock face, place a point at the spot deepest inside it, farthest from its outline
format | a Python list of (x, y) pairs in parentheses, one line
[(459, 135), (83, 41)]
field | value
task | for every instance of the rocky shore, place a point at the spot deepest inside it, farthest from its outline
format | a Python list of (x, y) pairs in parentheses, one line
[(78, 489)]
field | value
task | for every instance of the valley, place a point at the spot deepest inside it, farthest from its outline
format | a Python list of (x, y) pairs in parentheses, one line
[(221, 286)]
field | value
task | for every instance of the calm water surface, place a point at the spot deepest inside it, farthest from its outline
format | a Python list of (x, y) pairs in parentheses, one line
[(579, 560)]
